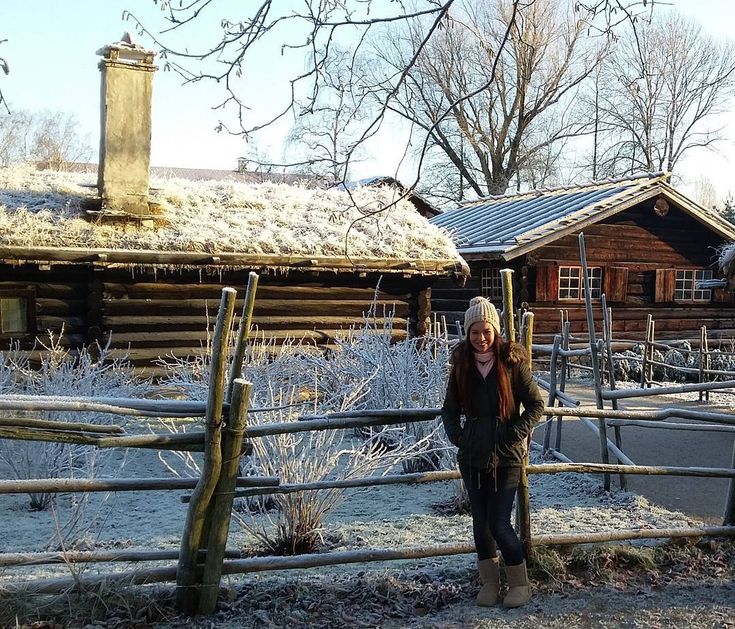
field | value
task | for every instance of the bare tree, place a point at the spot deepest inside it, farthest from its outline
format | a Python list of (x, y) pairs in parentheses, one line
[(665, 84), (319, 28), (15, 132), (705, 193), (325, 128), (50, 139), (56, 141), (513, 127)]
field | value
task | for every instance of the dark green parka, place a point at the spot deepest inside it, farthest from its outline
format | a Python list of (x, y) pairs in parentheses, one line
[(485, 442)]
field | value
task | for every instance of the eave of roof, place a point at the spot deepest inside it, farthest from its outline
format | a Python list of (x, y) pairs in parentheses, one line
[(229, 260)]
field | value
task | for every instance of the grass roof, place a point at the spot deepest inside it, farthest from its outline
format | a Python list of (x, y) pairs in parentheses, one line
[(45, 209)]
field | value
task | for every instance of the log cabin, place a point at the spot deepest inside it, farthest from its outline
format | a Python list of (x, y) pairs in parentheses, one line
[(140, 263), (647, 245)]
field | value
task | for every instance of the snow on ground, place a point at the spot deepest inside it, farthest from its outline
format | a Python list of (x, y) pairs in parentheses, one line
[(399, 515), (402, 515)]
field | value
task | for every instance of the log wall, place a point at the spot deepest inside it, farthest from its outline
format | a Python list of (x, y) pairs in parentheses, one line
[(145, 316), (642, 242), (61, 303), (147, 319)]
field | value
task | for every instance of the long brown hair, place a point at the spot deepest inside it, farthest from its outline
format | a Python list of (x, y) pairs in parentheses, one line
[(463, 363)]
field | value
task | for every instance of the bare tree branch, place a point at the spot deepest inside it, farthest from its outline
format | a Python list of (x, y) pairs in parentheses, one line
[(669, 82)]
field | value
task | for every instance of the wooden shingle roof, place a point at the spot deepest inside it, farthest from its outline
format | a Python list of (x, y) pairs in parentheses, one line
[(508, 226)]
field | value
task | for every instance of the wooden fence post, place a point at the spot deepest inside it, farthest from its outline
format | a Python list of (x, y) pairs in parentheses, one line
[(221, 505), (707, 360), (562, 379), (508, 320), (607, 325), (604, 454), (243, 332), (644, 362), (187, 591), (730, 502), (551, 400), (523, 509)]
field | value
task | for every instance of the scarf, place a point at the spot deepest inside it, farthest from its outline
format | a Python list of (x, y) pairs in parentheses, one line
[(484, 362)]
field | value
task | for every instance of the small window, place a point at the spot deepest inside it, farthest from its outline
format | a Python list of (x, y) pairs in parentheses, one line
[(571, 286), (492, 285), (16, 312), (686, 285)]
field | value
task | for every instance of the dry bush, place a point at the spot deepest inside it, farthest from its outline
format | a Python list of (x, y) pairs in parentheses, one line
[(64, 373), (367, 371)]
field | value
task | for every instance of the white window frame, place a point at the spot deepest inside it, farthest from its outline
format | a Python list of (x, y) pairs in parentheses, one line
[(571, 286), (492, 284), (685, 285)]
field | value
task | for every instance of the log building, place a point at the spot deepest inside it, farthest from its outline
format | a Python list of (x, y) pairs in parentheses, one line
[(647, 247), (142, 267)]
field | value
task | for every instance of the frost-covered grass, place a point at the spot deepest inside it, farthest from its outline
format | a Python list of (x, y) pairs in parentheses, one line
[(43, 208), (62, 372)]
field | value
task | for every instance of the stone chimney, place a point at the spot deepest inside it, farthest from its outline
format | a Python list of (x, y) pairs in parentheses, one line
[(125, 134)]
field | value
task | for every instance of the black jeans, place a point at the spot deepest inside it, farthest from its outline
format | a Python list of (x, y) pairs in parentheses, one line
[(491, 504)]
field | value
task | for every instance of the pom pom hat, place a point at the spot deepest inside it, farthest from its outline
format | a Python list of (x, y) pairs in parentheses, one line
[(481, 310)]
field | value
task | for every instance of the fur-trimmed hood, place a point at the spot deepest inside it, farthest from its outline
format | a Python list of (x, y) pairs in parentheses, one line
[(516, 354)]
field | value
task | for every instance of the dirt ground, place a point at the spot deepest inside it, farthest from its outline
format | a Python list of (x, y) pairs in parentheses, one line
[(702, 497)]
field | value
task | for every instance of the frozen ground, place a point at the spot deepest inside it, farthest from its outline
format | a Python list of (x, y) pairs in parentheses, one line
[(393, 516)]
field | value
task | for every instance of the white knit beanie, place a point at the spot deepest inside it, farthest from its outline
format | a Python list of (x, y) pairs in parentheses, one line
[(481, 310)]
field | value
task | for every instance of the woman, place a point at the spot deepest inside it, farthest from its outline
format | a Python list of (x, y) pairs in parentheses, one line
[(488, 382)]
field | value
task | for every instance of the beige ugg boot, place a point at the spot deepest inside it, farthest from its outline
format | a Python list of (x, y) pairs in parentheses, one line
[(490, 577), (519, 590)]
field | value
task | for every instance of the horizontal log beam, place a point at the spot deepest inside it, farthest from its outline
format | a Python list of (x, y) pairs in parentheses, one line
[(295, 321), (643, 470), (619, 394), (261, 564), (143, 290), (66, 485), (655, 415), (98, 556), (120, 406), (564, 539), (639, 423), (393, 479), (28, 422), (148, 257)]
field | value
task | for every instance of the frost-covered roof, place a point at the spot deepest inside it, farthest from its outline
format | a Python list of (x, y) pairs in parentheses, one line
[(510, 225), (222, 223)]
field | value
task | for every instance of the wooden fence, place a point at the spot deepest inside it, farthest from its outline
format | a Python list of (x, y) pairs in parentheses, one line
[(203, 557), (232, 562)]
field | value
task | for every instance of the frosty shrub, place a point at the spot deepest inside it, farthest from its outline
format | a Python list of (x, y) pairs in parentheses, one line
[(407, 374), (682, 357), (63, 373), (626, 369), (674, 359), (366, 371), (720, 360)]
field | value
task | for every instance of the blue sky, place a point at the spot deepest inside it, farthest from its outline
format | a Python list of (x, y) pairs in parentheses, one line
[(51, 50)]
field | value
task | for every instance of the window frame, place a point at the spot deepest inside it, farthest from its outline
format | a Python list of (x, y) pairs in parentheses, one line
[(595, 282), (29, 294), (491, 284), (689, 286)]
